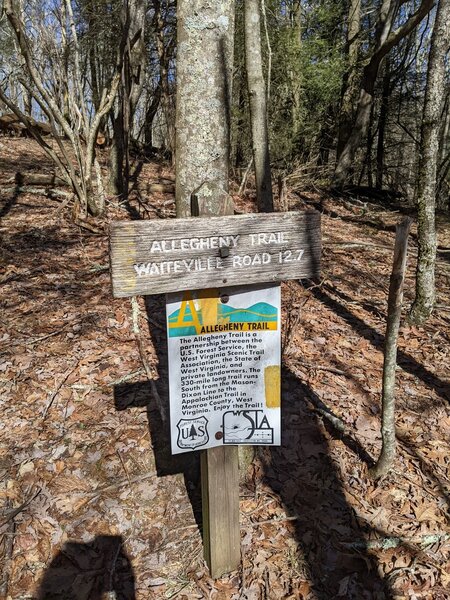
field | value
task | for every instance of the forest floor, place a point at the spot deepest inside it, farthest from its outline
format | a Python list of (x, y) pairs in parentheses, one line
[(92, 503)]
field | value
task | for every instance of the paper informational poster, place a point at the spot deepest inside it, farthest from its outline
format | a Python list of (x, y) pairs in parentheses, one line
[(224, 367)]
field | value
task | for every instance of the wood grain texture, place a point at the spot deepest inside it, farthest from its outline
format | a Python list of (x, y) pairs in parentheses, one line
[(157, 256), (220, 508)]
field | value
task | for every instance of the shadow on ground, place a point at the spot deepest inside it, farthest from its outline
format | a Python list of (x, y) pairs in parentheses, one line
[(89, 571), (141, 394), (405, 361), (301, 472)]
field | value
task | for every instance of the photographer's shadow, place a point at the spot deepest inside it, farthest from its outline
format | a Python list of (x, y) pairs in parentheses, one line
[(89, 571)]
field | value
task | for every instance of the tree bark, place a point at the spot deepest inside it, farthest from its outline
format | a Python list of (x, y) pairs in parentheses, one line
[(204, 70), (117, 153), (350, 83), (150, 114), (164, 50), (386, 39), (395, 300), (429, 151), (258, 106), (131, 87), (382, 122), (295, 79)]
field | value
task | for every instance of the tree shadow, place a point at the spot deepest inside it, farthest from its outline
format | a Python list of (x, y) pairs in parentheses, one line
[(88, 571), (307, 394), (10, 202), (302, 472), (405, 361), (27, 163), (141, 394)]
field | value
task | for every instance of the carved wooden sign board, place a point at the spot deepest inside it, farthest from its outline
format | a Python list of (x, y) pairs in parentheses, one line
[(224, 336), (158, 256)]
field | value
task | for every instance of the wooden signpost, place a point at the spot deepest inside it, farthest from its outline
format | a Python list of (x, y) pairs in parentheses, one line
[(224, 341)]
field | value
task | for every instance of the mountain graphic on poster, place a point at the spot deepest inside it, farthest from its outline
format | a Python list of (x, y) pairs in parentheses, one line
[(185, 321)]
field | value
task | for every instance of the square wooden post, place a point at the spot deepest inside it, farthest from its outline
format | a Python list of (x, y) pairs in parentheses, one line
[(219, 466), (220, 507)]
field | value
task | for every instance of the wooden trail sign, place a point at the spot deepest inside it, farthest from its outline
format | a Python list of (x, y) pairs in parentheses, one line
[(157, 256), (213, 255)]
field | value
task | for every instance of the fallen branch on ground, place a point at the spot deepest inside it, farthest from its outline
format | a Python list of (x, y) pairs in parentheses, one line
[(323, 410), (56, 392), (115, 486), (393, 542), (15, 511), (319, 367), (49, 192)]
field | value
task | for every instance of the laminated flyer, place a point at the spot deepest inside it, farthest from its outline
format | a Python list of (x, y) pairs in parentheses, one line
[(224, 350)]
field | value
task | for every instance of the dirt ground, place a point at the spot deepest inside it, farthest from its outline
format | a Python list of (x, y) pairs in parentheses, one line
[(92, 504)]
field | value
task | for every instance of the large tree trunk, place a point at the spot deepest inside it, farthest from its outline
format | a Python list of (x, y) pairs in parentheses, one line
[(258, 106), (204, 69), (429, 151), (350, 83), (382, 122), (386, 39)]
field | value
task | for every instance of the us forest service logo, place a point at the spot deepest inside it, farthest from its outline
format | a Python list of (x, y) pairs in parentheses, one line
[(192, 433)]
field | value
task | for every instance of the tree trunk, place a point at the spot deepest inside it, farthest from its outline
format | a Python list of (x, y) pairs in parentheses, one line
[(116, 154), (204, 70), (350, 83), (258, 106), (131, 87), (442, 198), (295, 79), (150, 114), (369, 147), (429, 150), (237, 152), (395, 300), (164, 55), (386, 39), (382, 122)]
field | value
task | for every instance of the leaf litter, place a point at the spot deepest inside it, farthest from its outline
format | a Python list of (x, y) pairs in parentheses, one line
[(103, 508)]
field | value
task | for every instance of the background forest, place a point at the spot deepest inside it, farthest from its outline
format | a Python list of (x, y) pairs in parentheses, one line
[(88, 67), (355, 97)]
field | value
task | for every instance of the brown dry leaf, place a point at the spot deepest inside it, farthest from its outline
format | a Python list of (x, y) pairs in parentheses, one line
[(425, 511), (72, 483), (69, 504), (316, 476)]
